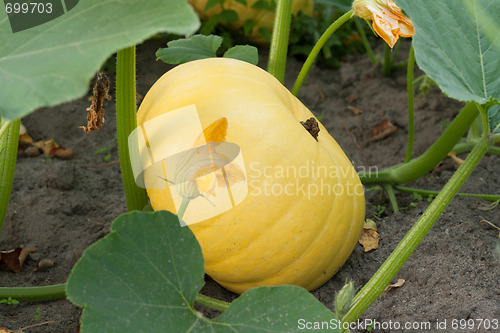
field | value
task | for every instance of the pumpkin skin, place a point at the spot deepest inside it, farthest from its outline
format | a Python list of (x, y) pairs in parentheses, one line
[(300, 239), (264, 18)]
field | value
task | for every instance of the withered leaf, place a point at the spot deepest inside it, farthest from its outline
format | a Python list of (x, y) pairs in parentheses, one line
[(369, 236), (43, 265), (355, 110), (9, 260), (398, 284), (311, 125), (46, 146), (382, 130), (456, 160), (51, 149), (24, 254), (494, 226), (25, 138), (95, 113), (13, 260), (370, 224), (61, 152)]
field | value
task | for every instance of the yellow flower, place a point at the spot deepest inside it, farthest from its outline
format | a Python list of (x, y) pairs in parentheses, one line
[(388, 20), (194, 173)]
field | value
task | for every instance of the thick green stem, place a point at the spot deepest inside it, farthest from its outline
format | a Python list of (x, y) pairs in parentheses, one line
[(317, 48), (468, 146), (366, 44), (58, 291), (411, 115), (418, 167), (32, 294), (5, 126), (8, 153), (411, 190), (475, 130), (398, 257), (211, 302), (279, 42), (126, 122)]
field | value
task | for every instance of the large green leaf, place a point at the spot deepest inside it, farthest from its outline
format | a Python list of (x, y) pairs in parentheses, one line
[(494, 119), (184, 50), (198, 47), (144, 276), (53, 62), (453, 48)]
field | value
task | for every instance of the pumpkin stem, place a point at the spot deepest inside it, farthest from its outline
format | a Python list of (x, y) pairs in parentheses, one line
[(311, 125)]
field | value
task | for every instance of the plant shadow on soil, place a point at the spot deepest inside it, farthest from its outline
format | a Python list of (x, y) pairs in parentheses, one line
[(60, 207)]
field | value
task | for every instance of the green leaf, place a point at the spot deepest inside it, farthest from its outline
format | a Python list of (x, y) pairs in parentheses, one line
[(145, 274), (228, 15), (208, 26), (248, 26), (184, 50), (277, 309), (211, 4), (264, 4), (243, 52), (243, 2), (494, 119), (266, 33), (453, 48), (53, 63)]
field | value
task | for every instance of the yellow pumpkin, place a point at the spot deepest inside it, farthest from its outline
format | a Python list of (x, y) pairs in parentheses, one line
[(305, 206), (264, 18)]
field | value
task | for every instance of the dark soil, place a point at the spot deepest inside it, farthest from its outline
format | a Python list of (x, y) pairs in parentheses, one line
[(60, 207)]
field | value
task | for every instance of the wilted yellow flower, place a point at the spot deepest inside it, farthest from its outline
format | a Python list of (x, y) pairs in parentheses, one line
[(388, 20), (194, 174)]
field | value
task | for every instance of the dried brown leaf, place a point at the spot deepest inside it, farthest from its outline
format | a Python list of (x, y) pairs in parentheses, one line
[(370, 224), (494, 226), (43, 265), (9, 260), (398, 284), (382, 130), (369, 239), (311, 125), (46, 146), (61, 152), (456, 160), (24, 254), (355, 110), (25, 138), (95, 113)]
